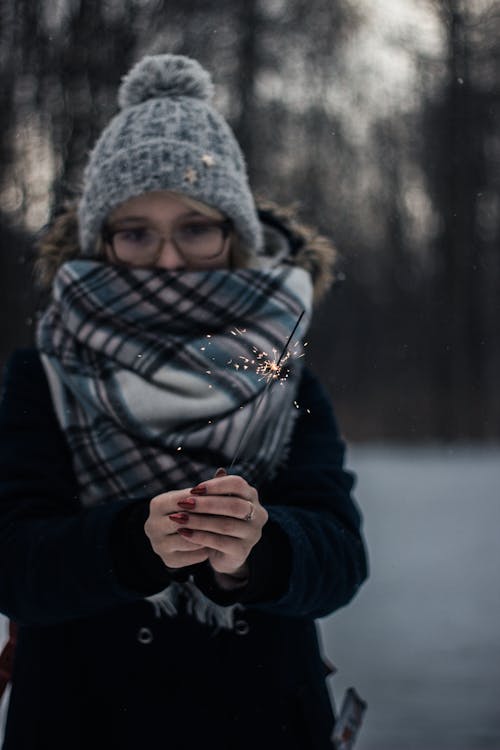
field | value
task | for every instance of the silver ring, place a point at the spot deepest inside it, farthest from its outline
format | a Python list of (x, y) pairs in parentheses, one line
[(250, 513)]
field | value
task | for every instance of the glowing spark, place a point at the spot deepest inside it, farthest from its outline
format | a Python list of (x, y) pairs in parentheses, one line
[(272, 369), (266, 367), (179, 448)]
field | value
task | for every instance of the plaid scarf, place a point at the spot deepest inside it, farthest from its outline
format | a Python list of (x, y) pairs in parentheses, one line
[(153, 372)]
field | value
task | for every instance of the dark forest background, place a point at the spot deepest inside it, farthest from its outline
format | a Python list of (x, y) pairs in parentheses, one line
[(383, 133)]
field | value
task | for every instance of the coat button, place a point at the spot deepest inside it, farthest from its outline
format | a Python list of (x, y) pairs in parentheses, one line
[(145, 636), (241, 627)]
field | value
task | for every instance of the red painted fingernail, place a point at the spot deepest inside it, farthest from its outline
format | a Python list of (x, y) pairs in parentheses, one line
[(185, 532), (179, 517), (221, 473), (187, 503), (200, 489)]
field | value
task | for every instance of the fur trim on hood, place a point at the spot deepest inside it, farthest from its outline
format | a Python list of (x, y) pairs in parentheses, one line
[(285, 238)]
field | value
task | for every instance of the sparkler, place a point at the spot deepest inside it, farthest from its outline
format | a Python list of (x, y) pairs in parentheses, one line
[(270, 369)]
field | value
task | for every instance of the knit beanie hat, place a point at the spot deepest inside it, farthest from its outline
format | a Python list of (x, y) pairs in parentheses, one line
[(167, 136)]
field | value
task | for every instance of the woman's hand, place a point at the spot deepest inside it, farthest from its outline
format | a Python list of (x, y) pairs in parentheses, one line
[(220, 520), (161, 527)]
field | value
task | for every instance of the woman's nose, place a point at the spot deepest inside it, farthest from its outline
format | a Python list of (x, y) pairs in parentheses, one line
[(170, 257)]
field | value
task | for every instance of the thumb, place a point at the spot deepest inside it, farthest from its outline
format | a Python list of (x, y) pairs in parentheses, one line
[(220, 473)]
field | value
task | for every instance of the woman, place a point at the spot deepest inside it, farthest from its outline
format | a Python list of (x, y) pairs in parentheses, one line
[(174, 508)]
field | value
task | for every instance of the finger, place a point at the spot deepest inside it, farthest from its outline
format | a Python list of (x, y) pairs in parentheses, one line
[(226, 485), (222, 525), (182, 559), (167, 502), (226, 544), (221, 505), (180, 543), (177, 551), (157, 527), (165, 540)]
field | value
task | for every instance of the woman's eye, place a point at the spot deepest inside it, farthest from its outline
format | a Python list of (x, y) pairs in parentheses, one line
[(138, 236), (196, 230)]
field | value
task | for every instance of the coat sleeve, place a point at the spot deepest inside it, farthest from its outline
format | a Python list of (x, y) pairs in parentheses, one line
[(311, 559), (55, 557)]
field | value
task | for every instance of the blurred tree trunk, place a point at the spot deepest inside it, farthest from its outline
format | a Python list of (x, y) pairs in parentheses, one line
[(17, 294), (248, 67), (8, 72), (455, 137), (87, 69)]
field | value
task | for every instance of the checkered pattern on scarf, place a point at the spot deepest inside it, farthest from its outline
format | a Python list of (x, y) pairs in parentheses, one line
[(142, 369)]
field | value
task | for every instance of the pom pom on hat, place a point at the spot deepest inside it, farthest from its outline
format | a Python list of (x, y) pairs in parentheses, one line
[(159, 76)]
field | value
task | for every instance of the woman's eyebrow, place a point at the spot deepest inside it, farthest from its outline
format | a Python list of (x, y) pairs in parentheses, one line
[(126, 219)]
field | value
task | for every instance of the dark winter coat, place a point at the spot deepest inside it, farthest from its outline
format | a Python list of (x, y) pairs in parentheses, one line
[(96, 668)]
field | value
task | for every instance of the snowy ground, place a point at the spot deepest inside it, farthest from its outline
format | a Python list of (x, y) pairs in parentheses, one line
[(421, 642)]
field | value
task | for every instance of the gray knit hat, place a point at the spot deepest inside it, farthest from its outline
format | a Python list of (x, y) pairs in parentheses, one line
[(167, 136)]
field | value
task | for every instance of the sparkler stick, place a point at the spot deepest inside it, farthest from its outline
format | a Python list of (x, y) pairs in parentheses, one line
[(247, 432)]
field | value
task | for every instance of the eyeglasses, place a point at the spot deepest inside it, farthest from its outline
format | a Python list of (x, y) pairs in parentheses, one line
[(197, 242)]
